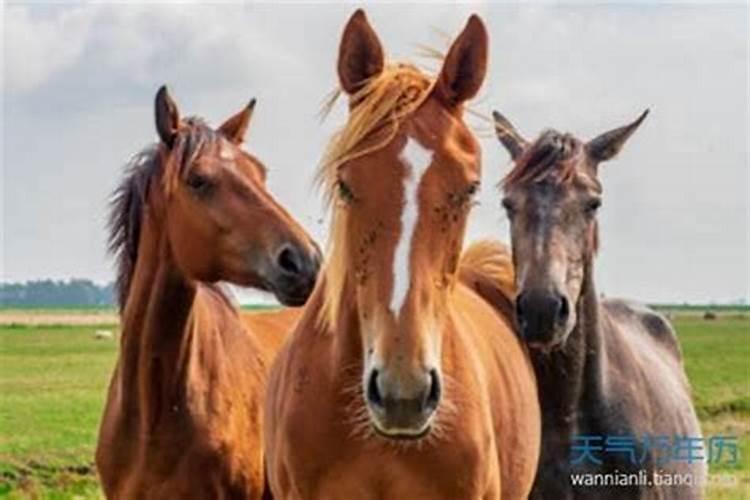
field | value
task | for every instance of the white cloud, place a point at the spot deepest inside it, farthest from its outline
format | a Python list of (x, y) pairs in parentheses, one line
[(136, 42), (84, 77), (38, 48)]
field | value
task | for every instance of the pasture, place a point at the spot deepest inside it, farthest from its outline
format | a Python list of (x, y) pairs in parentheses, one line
[(53, 380)]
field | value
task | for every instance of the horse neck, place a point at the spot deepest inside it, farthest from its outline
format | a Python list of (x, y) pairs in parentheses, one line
[(344, 331), (348, 342), (571, 376), (157, 333)]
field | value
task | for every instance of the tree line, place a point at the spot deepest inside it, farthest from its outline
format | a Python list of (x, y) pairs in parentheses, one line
[(51, 293)]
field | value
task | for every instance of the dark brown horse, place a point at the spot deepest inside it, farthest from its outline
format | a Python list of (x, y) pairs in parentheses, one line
[(401, 381), (606, 368), (183, 418)]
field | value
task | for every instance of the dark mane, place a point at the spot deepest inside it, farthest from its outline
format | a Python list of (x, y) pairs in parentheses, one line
[(130, 197), (124, 223), (551, 155)]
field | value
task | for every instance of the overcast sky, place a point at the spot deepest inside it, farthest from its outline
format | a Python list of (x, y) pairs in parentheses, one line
[(78, 87)]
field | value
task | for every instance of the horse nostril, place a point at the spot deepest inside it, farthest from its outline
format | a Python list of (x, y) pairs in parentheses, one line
[(433, 396), (373, 391), (520, 310), (520, 305), (289, 260), (563, 309)]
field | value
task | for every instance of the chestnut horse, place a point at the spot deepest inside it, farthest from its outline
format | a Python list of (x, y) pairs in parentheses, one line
[(400, 380), (183, 418), (609, 370)]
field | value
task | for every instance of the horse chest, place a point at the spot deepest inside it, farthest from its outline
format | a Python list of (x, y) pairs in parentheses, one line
[(333, 462), (393, 474)]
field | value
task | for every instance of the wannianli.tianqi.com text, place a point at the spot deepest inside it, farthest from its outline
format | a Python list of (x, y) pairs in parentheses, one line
[(655, 479)]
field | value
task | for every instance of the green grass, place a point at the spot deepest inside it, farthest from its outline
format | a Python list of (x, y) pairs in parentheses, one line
[(717, 360), (701, 308), (53, 382)]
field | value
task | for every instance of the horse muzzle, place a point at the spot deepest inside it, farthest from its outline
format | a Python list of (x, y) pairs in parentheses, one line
[(401, 409), (542, 316), (293, 273)]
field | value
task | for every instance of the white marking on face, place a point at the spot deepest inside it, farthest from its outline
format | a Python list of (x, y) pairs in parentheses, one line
[(416, 160), (226, 151)]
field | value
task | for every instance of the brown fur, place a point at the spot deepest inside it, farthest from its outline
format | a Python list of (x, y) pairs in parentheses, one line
[(486, 267), (482, 442), (383, 102), (183, 415)]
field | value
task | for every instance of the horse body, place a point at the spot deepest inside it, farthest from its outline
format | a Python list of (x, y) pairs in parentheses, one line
[(605, 368), (403, 378), (318, 446), (183, 418), (631, 383)]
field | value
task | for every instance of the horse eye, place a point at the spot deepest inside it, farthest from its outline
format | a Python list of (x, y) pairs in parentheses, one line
[(593, 205), (199, 183), (345, 191), (473, 188)]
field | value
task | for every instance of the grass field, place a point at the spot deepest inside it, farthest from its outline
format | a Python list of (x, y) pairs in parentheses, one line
[(53, 381)]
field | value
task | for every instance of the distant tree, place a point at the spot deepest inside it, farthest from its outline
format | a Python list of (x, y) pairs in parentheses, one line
[(49, 293)]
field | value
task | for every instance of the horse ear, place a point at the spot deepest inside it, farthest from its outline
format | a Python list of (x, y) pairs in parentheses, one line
[(608, 144), (235, 128), (465, 65), (509, 136), (167, 116), (360, 53)]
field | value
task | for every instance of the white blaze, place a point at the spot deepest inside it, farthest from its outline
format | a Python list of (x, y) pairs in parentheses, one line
[(226, 150), (416, 160)]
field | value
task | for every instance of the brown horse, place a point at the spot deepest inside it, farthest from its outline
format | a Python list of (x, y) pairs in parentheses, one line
[(401, 381), (606, 368), (183, 418)]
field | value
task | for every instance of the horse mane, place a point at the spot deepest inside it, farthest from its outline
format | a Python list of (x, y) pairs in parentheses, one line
[(376, 113), (129, 199), (487, 268), (552, 156)]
